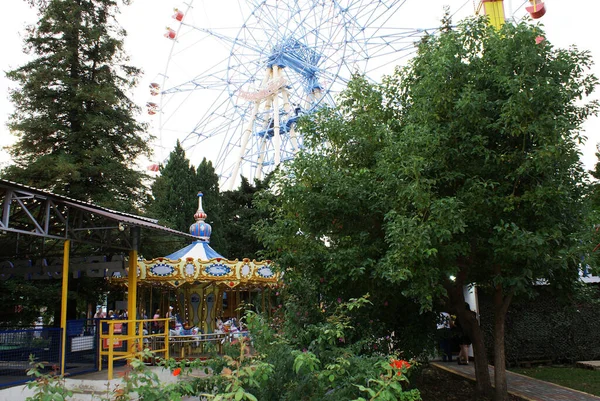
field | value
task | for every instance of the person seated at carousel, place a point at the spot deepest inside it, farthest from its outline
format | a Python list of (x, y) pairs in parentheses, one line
[(176, 327), (157, 326), (219, 326), (231, 327)]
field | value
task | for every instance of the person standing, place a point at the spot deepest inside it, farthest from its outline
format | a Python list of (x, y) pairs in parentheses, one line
[(464, 340), (156, 325), (444, 336)]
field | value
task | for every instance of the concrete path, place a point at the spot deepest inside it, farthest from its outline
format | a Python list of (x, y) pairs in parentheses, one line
[(594, 365), (86, 387), (91, 386), (522, 386)]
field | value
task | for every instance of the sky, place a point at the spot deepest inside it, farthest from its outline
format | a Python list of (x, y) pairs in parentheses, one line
[(566, 23)]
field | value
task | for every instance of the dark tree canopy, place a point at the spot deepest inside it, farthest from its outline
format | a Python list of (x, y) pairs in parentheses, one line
[(174, 192), (239, 215), (77, 135), (174, 200)]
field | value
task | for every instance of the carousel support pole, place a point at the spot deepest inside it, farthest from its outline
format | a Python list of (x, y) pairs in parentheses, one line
[(63, 304), (132, 281), (263, 303), (270, 305)]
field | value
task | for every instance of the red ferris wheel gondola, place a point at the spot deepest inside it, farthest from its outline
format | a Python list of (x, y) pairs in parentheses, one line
[(154, 89), (536, 10), (152, 108), (178, 15), (170, 34)]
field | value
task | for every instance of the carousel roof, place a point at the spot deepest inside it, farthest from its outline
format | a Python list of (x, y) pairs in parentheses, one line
[(196, 250), (198, 262)]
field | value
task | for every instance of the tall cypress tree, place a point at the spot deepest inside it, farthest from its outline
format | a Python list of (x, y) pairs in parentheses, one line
[(240, 215), (174, 202), (207, 181), (77, 135)]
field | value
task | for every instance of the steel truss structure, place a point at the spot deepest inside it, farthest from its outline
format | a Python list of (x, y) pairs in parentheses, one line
[(29, 214)]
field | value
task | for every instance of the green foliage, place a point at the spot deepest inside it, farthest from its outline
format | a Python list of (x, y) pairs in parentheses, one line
[(485, 166), (47, 386), (328, 369), (460, 169), (174, 201), (325, 227), (146, 383), (239, 214), (274, 371), (174, 192), (389, 386), (77, 135)]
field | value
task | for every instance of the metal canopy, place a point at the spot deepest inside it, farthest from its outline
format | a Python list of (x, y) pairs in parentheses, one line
[(28, 212)]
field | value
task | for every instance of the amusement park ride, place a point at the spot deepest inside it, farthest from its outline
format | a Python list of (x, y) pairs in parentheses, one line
[(286, 58), (274, 73)]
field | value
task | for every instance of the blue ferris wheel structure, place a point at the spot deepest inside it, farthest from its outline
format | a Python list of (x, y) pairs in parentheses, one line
[(240, 75)]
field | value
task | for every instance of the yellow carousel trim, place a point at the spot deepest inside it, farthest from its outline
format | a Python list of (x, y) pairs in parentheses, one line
[(229, 273)]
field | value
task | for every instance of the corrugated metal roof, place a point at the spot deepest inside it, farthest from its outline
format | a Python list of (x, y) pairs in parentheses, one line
[(125, 218)]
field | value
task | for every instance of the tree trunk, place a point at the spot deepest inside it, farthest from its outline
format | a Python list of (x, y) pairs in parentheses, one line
[(469, 323), (501, 304), (482, 373)]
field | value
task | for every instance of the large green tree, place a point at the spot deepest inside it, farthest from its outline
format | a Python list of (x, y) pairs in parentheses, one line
[(174, 192), (485, 170), (239, 215), (460, 169), (77, 135), (174, 201), (326, 231)]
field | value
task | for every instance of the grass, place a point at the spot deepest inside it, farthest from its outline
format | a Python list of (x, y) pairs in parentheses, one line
[(585, 380)]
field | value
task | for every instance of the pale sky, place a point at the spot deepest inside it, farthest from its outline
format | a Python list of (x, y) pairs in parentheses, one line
[(566, 23)]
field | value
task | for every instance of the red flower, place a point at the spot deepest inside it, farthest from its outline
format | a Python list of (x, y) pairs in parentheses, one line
[(177, 372), (400, 364)]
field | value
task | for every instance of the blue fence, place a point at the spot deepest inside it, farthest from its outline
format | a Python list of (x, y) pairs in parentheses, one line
[(44, 344)]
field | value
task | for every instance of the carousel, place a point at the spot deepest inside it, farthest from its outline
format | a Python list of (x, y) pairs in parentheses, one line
[(204, 287)]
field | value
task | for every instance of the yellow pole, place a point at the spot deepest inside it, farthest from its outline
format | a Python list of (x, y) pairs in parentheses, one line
[(111, 350), (494, 9), (63, 304), (132, 294), (166, 338)]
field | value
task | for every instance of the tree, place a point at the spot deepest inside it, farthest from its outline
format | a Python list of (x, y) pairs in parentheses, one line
[(174, 192), (240, 214), (174, 201), (460, 169), (326, 231), (77, 135), (208, 183), (484, 173)]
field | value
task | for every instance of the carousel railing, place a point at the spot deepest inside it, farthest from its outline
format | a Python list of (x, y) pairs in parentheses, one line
[(121, 339), (190, 345)]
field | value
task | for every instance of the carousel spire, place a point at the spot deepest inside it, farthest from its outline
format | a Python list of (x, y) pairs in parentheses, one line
[(200, 228)]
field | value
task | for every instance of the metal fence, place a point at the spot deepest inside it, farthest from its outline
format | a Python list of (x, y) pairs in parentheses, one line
[(44, 344)]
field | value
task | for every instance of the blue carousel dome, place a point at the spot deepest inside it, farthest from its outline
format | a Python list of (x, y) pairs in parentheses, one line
[(200, 228)]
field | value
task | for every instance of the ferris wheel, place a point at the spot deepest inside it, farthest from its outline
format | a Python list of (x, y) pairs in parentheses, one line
[(237, 81)]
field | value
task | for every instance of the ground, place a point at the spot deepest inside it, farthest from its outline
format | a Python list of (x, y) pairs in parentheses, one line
[(439, 385)]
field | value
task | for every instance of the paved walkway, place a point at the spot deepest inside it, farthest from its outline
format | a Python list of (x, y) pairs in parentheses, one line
[(86, 387), (523, 386)]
